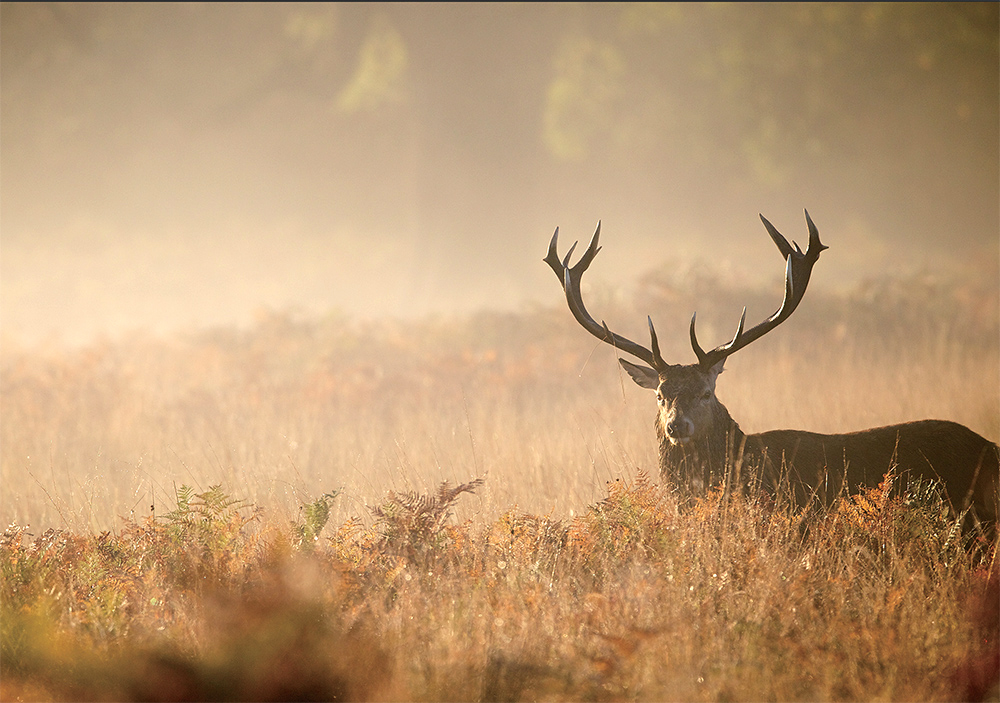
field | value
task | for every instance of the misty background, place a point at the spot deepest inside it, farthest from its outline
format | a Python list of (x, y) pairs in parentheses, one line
[(168, 166)]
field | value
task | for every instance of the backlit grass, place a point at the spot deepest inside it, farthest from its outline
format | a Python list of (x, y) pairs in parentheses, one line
[(468, 509)]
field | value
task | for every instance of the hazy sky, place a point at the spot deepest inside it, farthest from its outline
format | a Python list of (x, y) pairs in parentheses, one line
[(166, 166)]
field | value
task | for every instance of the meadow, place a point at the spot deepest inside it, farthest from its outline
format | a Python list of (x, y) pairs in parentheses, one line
[(468, 509)]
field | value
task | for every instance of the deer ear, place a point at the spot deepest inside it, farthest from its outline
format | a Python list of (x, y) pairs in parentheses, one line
[(643, 375)]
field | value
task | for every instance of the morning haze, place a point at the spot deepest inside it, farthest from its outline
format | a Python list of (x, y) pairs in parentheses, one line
[(166, 167), (291, 408)]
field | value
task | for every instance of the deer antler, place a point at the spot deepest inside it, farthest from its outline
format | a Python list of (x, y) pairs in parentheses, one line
[(798, 267), (570, 278)]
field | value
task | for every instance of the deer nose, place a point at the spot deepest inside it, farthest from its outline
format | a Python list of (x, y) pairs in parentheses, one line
[(679, 430)]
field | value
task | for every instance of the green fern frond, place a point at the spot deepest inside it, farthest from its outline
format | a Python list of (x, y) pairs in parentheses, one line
[(315, 516)]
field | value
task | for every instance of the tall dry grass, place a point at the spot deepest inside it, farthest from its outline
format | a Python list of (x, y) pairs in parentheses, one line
[(463, 510), (635, 599), (292, 408)]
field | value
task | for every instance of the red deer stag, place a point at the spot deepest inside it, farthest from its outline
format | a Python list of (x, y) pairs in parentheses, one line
[(701, 445)]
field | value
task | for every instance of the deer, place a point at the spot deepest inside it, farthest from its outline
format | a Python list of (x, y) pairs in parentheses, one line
[(702, 446)]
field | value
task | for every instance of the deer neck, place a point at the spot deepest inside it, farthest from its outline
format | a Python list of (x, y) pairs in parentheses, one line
[(702, 462)]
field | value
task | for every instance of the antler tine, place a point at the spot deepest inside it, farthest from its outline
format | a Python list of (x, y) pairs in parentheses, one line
[(698, 351), (703, 356), (779, 239), (658, 362), (570, 278), (584, 263), (798, 268), (739, 327), (561, 266), (802, 263), (569, 255), (552, 257)]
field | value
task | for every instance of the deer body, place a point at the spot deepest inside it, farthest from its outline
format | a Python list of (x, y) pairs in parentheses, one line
[(700, 444), (808, 466)]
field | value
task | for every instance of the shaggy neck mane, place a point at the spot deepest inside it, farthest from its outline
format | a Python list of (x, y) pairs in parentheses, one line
[(703, 461)]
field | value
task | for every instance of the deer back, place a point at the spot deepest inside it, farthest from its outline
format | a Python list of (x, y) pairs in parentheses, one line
[(808, 464)]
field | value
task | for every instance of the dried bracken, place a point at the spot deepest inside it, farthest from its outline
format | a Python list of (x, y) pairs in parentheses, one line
[(641, 597), (543, 561)]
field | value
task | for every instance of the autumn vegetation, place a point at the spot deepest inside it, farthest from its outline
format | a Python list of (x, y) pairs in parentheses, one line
[(467, 509)]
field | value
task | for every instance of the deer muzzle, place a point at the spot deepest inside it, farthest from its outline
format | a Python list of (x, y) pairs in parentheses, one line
[(678, 430)]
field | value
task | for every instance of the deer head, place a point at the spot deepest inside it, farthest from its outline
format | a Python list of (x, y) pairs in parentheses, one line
[(689, 413)]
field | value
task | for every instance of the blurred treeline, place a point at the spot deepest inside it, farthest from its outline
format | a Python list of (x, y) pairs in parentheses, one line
[(441, 125)]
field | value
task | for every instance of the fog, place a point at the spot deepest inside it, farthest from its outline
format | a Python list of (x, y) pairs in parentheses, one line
[(170, 166)]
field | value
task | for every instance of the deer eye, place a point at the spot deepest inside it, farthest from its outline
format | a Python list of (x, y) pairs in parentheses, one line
[(706, 395)]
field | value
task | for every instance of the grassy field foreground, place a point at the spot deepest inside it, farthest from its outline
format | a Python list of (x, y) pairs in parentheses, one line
[(635, 599), (468, 510)]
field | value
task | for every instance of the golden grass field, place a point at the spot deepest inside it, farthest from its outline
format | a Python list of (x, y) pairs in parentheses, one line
[(262, 513)]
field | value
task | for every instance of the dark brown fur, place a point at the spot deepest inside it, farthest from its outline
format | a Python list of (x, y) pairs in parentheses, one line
[(808, 466)]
